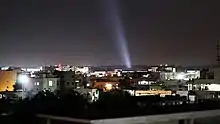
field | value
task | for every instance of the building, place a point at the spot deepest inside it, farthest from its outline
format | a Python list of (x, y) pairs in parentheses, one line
[(167, 76), (98, 74), (188, 75), (82, 70), (68, 79), (93, 93), (162, 93), (209, 81), (105, 84), (45, 81), (7, 80)]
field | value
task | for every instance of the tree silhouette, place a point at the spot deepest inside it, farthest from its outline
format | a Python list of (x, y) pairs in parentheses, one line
[(17, 86), (124, 83)]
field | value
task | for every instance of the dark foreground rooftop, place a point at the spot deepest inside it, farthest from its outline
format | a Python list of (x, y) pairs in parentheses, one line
[(109, 106)]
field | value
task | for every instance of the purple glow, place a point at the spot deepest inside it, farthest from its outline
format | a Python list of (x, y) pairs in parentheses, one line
[(119, 34), (123, 44)]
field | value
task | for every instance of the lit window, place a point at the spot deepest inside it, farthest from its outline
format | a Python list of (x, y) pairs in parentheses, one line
[(50, 83), (37, 83)]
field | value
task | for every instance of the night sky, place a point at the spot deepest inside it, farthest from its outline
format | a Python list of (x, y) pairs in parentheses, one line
[(79, 32)]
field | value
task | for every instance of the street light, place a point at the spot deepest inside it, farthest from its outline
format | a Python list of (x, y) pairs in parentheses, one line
[(23, 79)]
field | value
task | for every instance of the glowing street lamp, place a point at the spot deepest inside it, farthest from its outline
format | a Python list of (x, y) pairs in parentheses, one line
[(23, 79)]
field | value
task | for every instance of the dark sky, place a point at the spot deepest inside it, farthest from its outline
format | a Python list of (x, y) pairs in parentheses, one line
[(35, 32)]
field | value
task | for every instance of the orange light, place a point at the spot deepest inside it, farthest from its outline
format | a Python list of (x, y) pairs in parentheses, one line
[(108, 86)]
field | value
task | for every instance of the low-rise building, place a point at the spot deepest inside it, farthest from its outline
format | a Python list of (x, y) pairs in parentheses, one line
[(162, 93), (91, 94), (45, 82), (67, 79), (7, 80)]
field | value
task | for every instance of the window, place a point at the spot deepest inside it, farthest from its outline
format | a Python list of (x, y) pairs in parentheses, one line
[(37, 83), (50, 83), (67, 83)]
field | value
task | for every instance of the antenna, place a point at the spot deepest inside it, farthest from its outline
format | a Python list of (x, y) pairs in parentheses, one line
[(218, 54)]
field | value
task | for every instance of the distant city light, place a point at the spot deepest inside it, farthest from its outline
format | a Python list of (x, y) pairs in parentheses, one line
[(180, 76)]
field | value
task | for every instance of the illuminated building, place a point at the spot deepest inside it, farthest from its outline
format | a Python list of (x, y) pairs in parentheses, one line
[(93, 93), (187, 75), (153, 69), (7, 80), (144, 82), (98, 73), (106, 85), (204, 84), (31, 69), (46, 83), (82, 70), (77, 69), (167, 76), (5, 68), (162, 93), (209, 80)]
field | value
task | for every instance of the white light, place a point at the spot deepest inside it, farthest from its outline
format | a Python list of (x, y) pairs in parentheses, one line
[(119, 74), (145, 82), (50, 83), (180, 76), (213, 87), (87, 85), (147, 75), (23, 79)]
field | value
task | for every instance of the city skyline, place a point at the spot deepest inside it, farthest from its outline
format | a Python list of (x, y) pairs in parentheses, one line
[(79, 33)]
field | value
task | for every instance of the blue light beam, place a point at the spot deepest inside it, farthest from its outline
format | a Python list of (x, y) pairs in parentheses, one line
[(118, 31)]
